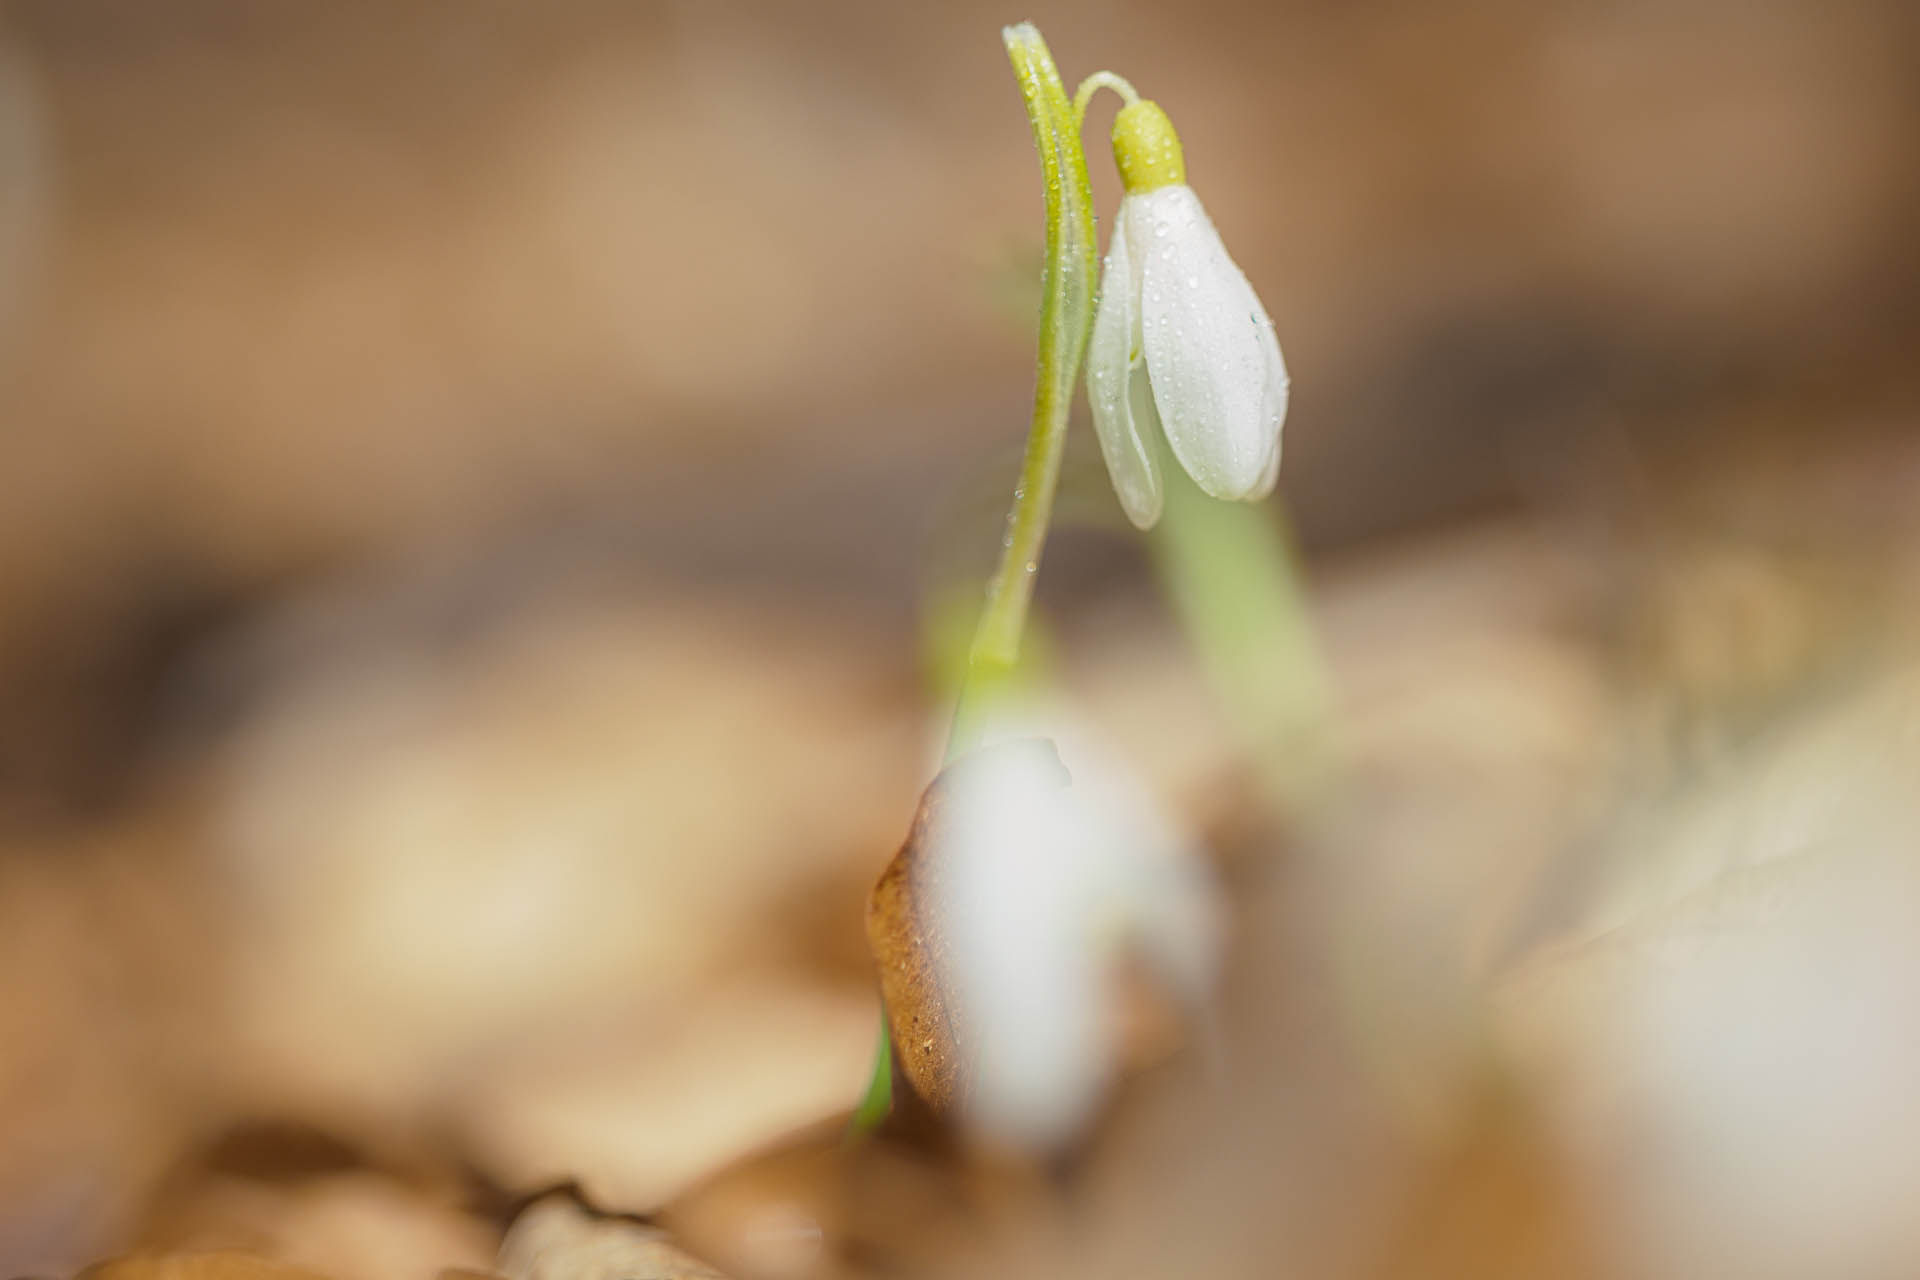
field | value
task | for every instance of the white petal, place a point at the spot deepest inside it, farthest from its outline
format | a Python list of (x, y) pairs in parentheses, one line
[(1044, 883), (1275, 405), (1128, 440), (1211, 354), (1025, 971), (1271, 476)]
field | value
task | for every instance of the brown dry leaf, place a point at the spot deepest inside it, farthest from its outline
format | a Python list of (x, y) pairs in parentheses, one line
[(556, 1239), (520, 879), (358, 1225), (903, 944), (226, 1264), (638, 1109), (98, 950)]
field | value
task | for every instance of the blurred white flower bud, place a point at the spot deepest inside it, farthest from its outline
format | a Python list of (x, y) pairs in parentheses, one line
[(1045, 882)]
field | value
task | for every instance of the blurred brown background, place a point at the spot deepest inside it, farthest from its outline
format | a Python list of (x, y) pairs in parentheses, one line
[(468, 473), (293, 289)]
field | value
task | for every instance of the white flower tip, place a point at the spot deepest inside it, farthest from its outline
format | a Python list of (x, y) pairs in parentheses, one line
[(1271, 479), (1124, 418), (1020, 33)]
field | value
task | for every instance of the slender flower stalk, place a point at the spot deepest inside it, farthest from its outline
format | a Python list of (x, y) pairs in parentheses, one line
[(1233, 578), (1066, 317), (1095, 83)]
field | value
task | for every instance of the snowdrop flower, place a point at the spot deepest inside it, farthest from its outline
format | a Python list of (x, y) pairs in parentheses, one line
[(1046, 881), (1182, 350)]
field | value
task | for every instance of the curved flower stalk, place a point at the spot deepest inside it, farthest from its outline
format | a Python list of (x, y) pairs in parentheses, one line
[(1182, 354)]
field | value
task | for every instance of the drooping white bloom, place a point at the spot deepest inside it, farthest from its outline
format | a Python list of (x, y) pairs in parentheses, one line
[(1181, 351), (1046, 882)]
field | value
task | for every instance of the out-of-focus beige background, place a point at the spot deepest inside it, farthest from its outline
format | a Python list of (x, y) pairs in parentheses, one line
[(469, 477)]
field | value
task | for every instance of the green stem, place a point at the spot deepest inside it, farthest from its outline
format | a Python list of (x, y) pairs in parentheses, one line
[(1066, 318), (878, 1099), (1095, 83), (1233, 578)]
